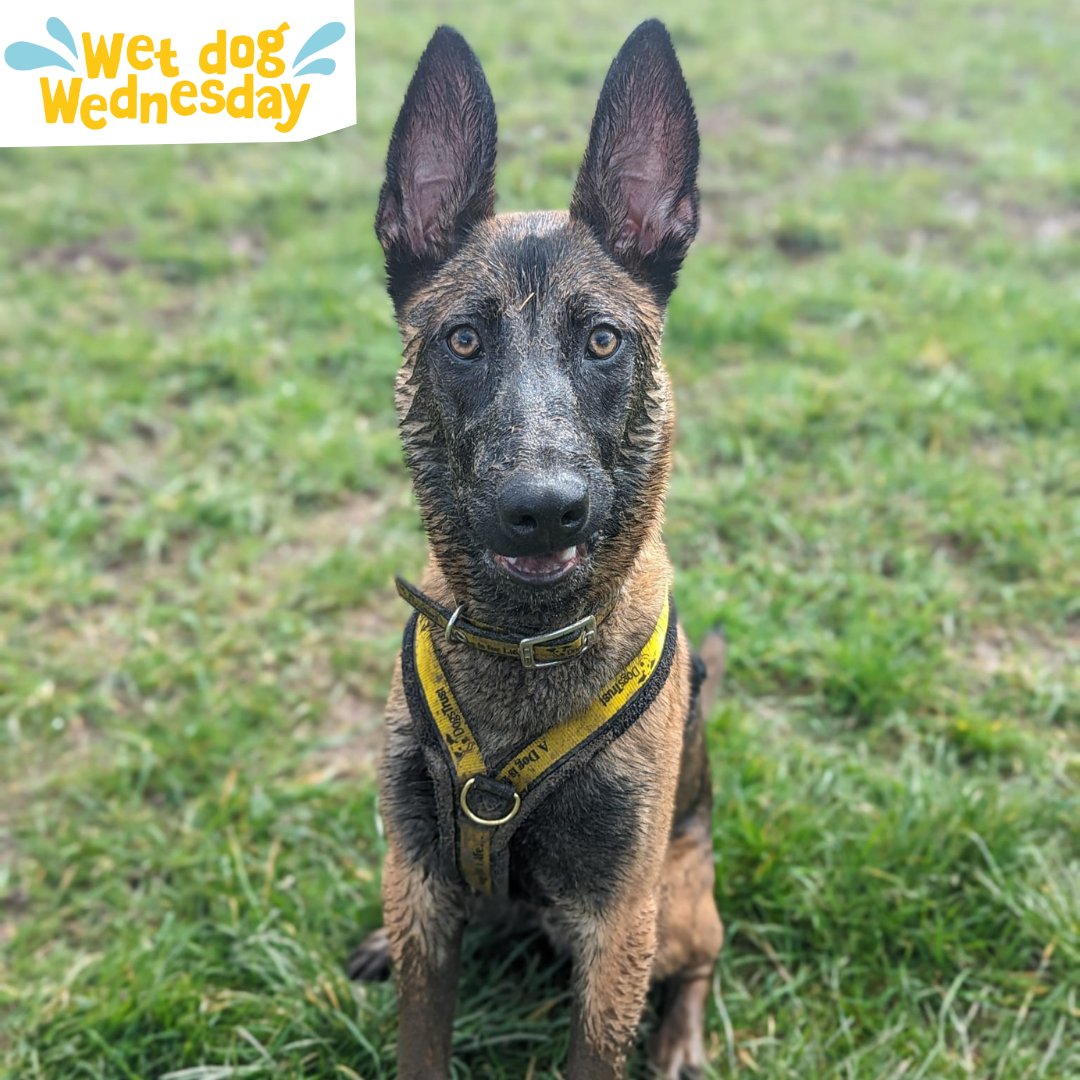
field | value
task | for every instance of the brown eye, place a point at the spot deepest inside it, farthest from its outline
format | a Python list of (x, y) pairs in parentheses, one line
[(464, 342), (603, 342)]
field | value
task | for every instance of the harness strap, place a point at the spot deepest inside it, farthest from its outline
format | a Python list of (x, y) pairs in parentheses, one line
[(538, 650), (482, 804)]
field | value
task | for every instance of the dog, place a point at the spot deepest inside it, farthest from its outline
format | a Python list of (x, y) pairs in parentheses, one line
[(545, 746)]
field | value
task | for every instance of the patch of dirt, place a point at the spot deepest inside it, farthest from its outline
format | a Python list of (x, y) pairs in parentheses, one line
[(347, 743), (90, 632), (956, 547), (773, 714), (721, 120), (1044, 226), (123, 476), (1032, 223), (885, 146), (378, 620), (248, 246), (347, 523), (178, 312), (112, 471), (995, 650), (102, 252), (992, 453)]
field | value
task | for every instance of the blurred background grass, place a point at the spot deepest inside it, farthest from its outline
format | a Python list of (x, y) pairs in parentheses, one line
[(875, 344)]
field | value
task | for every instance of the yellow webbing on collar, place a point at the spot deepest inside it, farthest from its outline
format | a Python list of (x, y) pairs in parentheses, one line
[(527, 765)]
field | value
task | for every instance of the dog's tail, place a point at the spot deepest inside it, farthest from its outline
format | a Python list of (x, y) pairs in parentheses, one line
[(709, 663)]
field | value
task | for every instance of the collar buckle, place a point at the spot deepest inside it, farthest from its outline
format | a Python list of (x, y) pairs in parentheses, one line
[(586, 630)]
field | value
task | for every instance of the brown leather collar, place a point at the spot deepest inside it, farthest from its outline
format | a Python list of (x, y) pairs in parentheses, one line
[(538, 651)]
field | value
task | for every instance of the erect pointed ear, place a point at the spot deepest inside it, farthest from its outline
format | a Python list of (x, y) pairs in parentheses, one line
[(440, 169), (637, 188)]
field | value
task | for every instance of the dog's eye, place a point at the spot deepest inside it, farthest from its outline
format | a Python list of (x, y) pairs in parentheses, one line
[(603, 342), (464, 342)]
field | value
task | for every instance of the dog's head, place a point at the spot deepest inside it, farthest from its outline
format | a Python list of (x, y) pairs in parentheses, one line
[(534, 406)]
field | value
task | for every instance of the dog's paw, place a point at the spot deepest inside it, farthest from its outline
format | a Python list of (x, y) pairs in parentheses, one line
[(370, 961), (677, 1047), (675, 1063), (674, 1067)]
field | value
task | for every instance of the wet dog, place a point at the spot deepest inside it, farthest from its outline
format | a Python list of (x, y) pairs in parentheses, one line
[(545, 744)]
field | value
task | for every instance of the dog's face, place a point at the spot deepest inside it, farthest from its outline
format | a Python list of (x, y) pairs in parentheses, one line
[(534, 406)]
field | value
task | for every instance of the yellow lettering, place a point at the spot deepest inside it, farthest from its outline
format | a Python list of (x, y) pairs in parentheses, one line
[(270, 42), (295, 103), (140, 43), (166, 54), (162, 103), (215, 102), (215, 49), (61, 103), (241, 100), (242, 51), (180, 92), (90, 104), (102, 57), (269, 103), (124, 104)]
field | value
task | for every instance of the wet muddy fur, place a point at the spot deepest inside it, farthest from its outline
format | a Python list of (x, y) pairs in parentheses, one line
[(536, 418)]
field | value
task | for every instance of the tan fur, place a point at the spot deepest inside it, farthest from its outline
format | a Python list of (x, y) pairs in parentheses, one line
[(424, 933), (613, 958), (691, 934)]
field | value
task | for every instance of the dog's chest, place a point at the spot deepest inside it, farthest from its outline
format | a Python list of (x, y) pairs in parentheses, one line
[(582, 840), (576, 843), (568, 769)]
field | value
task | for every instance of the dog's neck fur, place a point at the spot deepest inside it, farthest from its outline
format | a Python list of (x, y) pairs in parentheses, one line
[(508, 704)]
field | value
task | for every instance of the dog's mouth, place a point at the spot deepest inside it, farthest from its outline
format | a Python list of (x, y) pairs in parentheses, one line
[(543, 569)]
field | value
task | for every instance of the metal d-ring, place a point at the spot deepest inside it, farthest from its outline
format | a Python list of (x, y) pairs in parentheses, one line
[(475, 818), (448, 633)]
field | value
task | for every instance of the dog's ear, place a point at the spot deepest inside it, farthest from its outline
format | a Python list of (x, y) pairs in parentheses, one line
[(440, 169), (637, 188)]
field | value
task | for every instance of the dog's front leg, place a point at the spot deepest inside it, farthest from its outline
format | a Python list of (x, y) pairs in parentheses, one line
[(423, 925), (613, 955)]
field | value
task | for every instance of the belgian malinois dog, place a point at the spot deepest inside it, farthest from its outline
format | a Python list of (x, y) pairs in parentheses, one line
[(545, 744)]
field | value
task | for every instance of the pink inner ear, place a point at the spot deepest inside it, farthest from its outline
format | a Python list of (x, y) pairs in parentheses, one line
[(684, 212), (436, 164), (645, 180), (422, 210), (646, 224)]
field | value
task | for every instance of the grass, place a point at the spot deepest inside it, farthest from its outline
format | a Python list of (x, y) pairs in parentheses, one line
[(876, 344)]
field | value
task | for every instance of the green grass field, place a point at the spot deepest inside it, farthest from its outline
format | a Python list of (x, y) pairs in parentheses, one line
[(876, 344)]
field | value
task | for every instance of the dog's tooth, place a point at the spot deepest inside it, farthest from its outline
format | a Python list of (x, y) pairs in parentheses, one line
[(566, 554)]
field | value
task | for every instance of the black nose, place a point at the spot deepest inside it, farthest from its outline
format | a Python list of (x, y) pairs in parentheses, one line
[(541, 512)]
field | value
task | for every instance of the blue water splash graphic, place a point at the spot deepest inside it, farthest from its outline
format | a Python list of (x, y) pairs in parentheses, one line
[(58, 31), (24, 56), (318, 67), (321, 39)]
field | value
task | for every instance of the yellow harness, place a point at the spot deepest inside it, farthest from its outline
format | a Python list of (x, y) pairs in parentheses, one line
[(482, 804)]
